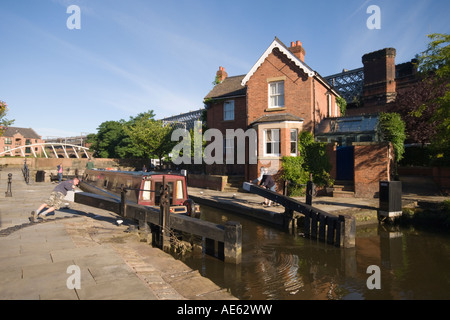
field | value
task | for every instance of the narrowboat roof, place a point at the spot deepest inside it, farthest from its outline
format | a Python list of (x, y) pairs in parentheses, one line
[(139, 173)]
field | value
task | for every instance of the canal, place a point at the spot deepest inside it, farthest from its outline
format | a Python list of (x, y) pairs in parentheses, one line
[(277, 265)]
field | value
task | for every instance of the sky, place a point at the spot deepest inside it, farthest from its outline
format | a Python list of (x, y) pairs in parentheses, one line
[(128, 57)]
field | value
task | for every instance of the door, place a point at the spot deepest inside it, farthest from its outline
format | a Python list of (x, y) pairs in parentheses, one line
[(345, 163)]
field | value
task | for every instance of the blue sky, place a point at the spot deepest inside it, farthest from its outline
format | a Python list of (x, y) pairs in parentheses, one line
[(133, 56)]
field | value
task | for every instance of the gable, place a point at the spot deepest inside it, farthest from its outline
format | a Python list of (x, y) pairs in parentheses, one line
[(280, 46)]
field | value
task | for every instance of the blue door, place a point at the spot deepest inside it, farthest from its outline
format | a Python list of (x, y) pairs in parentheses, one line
[(344, 163)]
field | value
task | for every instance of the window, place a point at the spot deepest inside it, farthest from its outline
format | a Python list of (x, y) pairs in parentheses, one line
[(294, 137), (276, 94), (272, 142), (8, 141), (228, 110), (147, 189), (328, 105), (229, 146), (180, 194)]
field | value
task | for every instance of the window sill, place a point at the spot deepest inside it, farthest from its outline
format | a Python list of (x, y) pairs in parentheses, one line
[(275, 109)]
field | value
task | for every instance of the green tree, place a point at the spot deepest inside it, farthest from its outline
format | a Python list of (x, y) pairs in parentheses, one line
[(434, 65), (316, 159), (111, 141), (392, 129), (151, 136), (3, 121), (313, 160)]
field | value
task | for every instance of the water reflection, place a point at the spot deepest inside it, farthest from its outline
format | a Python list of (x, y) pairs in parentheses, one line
[(282, 266)]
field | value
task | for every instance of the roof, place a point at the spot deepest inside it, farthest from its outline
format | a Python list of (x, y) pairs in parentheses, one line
[(236, 85), (352, 124), (280, 117), (276, 43), (230, 87), (25, 132)]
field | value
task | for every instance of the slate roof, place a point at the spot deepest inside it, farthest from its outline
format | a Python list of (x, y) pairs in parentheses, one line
[(25, 132), (230, 87), (277, 118)]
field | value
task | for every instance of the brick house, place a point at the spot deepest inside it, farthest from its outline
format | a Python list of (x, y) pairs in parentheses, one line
[(279, 97), (15, 137)]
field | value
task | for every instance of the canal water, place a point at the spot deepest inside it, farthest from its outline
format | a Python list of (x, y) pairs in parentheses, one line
[(278, 265)]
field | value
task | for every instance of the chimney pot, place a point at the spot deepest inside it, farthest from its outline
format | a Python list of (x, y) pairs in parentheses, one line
[(298, 43), (221, 74), (292, 44)]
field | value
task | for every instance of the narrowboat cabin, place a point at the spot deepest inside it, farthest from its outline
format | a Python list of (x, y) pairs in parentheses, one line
[(141, 187)]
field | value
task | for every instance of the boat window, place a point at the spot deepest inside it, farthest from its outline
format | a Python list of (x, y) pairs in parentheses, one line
[(180, 189), (105, 183), (146, 193)]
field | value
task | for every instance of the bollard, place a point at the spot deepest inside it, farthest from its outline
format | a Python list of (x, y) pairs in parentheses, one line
[(8, 192), (233, 242)]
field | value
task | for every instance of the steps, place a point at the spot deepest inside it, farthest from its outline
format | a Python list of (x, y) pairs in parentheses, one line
[(234, 184), (344, 189)]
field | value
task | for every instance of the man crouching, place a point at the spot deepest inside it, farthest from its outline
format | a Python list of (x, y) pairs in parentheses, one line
[(55, 201)]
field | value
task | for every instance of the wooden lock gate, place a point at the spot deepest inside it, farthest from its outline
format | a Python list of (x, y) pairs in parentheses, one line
[(227, 238), (339, 230)]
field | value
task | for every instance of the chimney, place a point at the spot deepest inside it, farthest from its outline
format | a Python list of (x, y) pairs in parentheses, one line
[(221, 75), (297, 49), (379, 77)]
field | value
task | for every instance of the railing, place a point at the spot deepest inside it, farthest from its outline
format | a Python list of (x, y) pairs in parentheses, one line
[(52, 146)]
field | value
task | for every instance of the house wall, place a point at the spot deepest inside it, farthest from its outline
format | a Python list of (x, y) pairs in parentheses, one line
[(297, 89), (215, 120), (19, 140)]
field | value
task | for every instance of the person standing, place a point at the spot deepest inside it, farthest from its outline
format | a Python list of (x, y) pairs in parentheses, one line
[(55, 201), (89, 164), (268, 182), (60, 172)]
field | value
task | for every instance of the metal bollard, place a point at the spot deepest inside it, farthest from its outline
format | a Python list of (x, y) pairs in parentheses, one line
[(8, 192)]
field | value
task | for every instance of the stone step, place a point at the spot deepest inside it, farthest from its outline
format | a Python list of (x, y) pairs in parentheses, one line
[(343, 194)]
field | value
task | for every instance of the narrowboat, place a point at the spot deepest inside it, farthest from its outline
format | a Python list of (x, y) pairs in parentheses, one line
[(141, 187)]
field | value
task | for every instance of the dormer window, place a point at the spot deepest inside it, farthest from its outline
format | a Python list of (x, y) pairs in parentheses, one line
[(276, 94)]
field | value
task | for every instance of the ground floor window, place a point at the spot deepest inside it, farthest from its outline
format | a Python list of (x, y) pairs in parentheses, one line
[(272, 142), (294, 138)]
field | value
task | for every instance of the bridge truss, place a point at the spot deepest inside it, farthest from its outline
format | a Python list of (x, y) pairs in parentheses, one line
[(348, 83), (68, 149), (184, 120)]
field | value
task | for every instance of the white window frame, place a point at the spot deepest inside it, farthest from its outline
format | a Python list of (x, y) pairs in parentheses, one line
[(294, 141), (277, 95), (228, 110), (273, 143)]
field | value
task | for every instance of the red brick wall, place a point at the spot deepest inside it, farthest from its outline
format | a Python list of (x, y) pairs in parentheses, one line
[(215, 121), (372, 165), (297, 89)]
